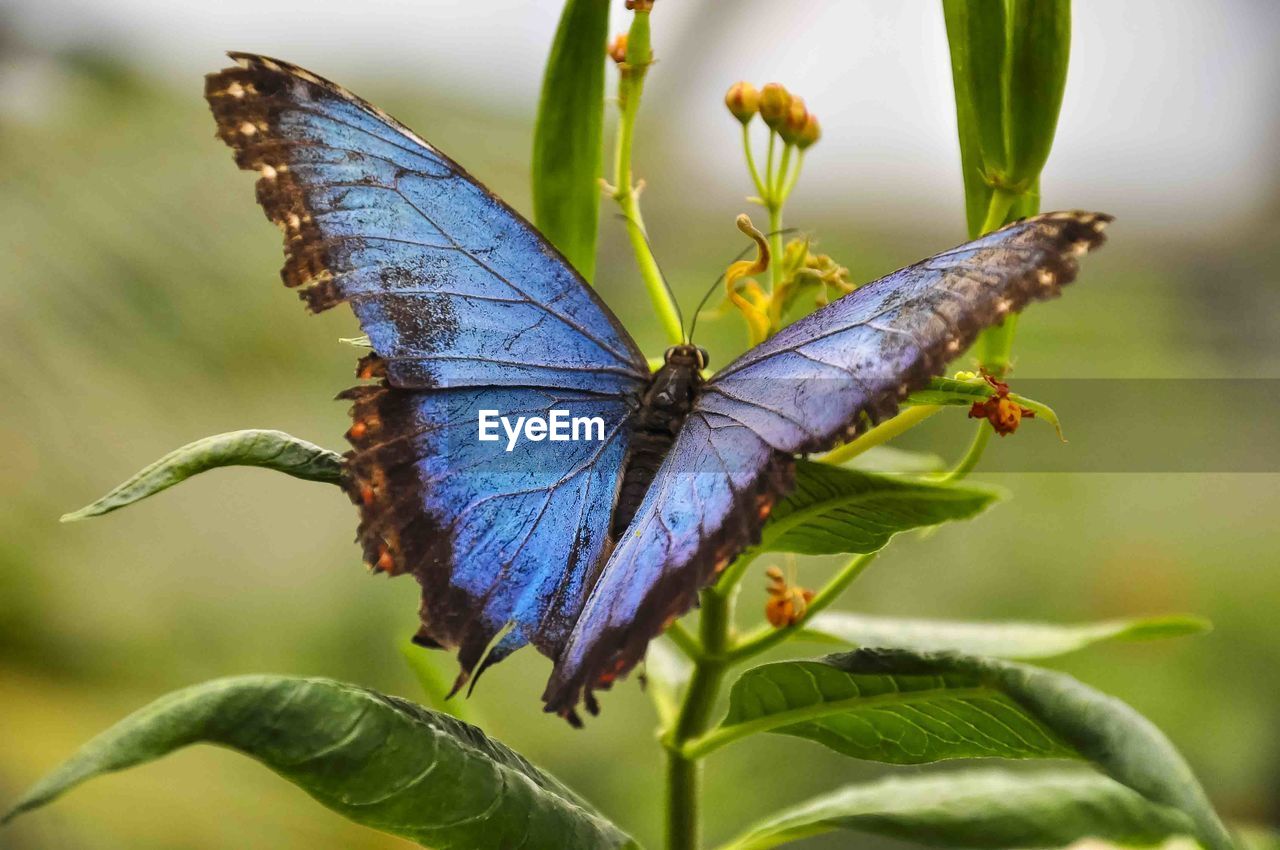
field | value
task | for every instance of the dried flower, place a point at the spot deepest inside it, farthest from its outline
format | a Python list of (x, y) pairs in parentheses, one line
[(787, 603), (1003, 413)]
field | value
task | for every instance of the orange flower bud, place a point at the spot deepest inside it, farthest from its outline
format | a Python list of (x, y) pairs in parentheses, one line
[(794, 120), (743, 100), (618, 48), (811, 132), (774, 103)]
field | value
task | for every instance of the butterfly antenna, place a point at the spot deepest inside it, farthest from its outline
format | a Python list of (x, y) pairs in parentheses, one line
[(661, 274), (693, 324)]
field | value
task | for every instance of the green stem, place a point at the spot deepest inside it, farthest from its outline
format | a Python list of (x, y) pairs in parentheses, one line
[(970, 460), (683, 772), (685, 642), (1002, 201), (751, 163), (766, 637), (775, 261), (795, 177), (882, 433), (727, 585), (630, 89), (780, 179), (995, 344), (767, 194)]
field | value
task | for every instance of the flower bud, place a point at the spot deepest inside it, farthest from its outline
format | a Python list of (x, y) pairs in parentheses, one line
[(743, 100), (774, 103), (811, 132), (793, 121), (618, 48)]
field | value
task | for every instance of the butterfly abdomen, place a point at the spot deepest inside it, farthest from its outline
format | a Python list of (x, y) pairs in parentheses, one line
[(663, 408)]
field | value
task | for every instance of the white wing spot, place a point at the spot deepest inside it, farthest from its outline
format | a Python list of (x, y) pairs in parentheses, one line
[(247, 129)]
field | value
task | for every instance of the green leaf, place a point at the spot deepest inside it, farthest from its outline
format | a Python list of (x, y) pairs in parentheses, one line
[(380, 761), (568, 140), (904, 707), (834, 510), (950, 391), (989, 809), (976, 35), (1039, 47), (994, 640), (271, 449)]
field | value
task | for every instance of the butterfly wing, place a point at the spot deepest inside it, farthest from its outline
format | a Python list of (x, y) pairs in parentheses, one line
[(818, 382), (466, 308)]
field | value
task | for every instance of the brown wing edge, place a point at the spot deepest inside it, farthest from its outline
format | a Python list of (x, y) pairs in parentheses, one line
[(378, 477)]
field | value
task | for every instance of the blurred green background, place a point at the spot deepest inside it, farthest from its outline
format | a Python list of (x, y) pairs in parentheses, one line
[(140, 309)]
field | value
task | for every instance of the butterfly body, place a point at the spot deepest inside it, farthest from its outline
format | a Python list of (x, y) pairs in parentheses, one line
[(588, 548), (657, 420)]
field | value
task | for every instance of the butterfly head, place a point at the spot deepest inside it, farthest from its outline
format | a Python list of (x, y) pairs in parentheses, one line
[(686, 355)]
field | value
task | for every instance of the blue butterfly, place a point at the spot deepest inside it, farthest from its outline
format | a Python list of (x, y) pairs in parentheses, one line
[(584, 548)]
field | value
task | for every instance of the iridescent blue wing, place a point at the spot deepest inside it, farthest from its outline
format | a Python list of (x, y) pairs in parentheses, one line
[(815, 384), (466, 307)]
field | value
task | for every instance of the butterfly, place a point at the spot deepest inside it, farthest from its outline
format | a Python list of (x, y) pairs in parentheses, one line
[(587, 549)]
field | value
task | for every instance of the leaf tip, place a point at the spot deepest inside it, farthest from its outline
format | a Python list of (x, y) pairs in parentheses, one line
[(1174, 625)]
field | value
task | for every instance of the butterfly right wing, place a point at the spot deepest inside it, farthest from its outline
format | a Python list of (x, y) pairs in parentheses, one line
[(818, 382), (467, 308)]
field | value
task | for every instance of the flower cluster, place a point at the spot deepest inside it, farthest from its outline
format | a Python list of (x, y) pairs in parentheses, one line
[(782, 112), (794, 269)]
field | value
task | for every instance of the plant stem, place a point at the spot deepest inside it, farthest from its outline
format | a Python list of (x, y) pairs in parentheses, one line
[(684, 773), (775, 263), (881, 433), (995, 344), (751, 163), (630, 88), (795, 177), (685, 642), (767, 637), (971, 457)]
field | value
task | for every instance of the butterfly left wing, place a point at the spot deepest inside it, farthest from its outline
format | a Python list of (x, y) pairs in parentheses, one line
[(467, 308), (817, 383)]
